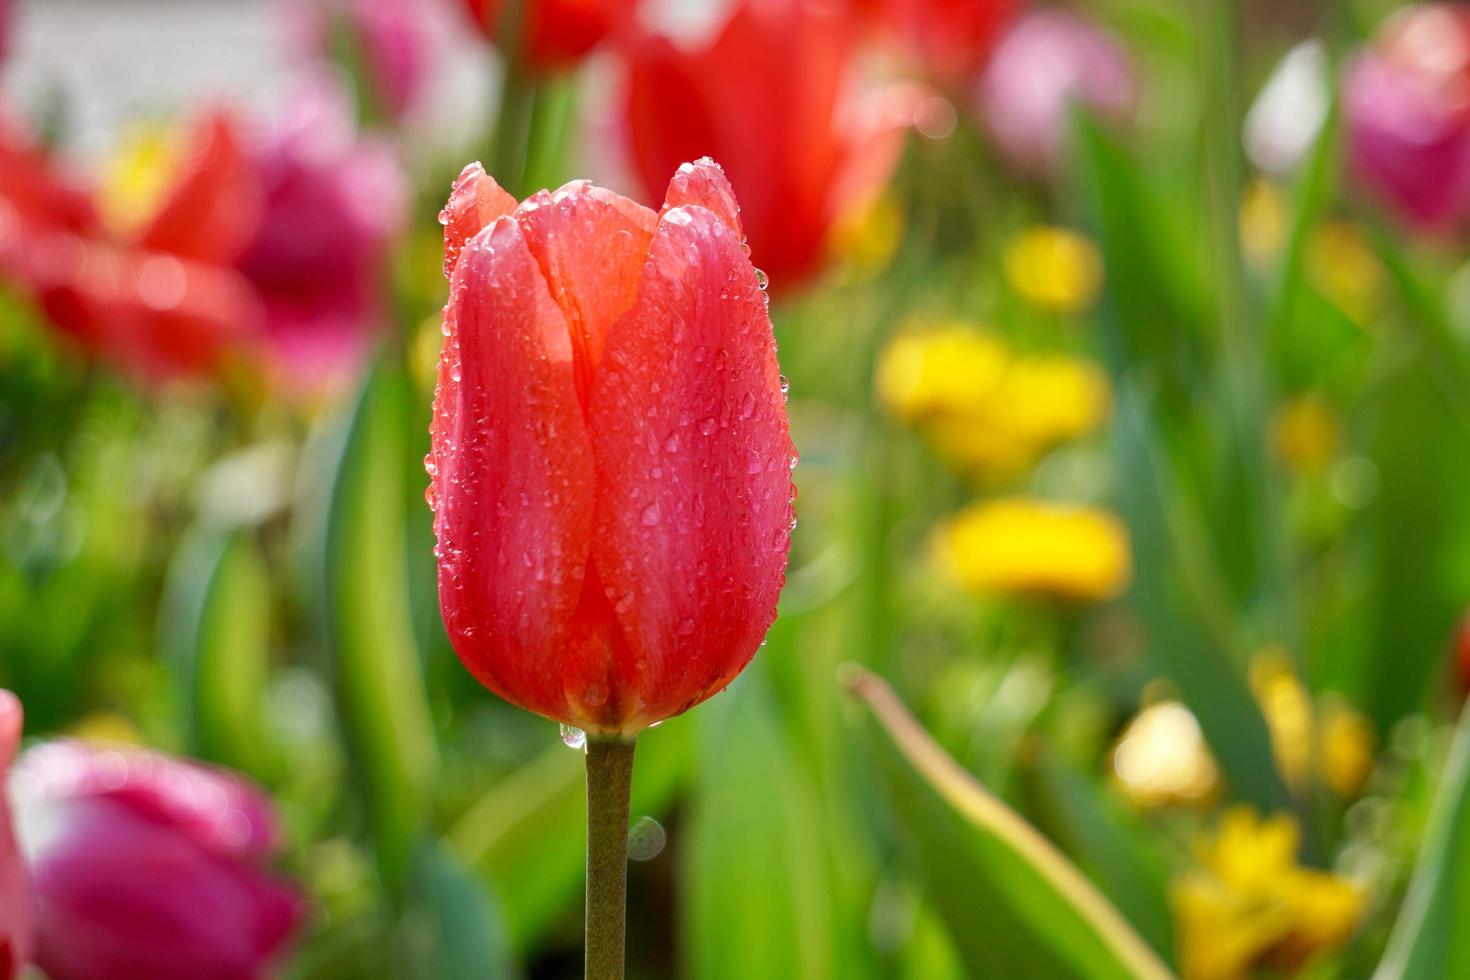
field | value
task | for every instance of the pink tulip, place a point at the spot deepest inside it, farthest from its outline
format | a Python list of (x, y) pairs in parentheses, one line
[(146, 867), (1407, 108), (318, 258), (1046, 62), (15, 901)]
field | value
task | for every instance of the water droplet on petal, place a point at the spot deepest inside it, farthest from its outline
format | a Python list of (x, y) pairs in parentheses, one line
[(651, 515), (573, 737)]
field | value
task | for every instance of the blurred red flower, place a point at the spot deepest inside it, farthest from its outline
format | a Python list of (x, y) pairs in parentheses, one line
[(1407, 109), (158, 304), (146, 867), (15, 900), (769, 95), (948, 40), (611, 464), (266, 244), (557, 33), (1047, 62)]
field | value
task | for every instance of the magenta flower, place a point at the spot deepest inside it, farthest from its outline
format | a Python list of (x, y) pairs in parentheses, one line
[(146, 867), (1406, 103), (15, 900), (1047, 61), (318, 257)]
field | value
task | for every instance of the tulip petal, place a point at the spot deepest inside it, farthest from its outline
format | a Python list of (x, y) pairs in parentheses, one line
[(703, 183), (123, 897), (590, 244), (214, 204), (694, 454), (475, 201), (512, 472), (220, 813), (16, 928)]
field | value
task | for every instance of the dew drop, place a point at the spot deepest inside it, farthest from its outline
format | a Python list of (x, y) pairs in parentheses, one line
[(707, 426), (646, 839), (573, 738), (760, 279), (651, 515)]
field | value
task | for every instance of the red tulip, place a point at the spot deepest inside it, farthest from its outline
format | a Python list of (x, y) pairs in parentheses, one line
[(146, 867), (159, 305), (949, 39), (1407, 109), (765, 96), (556, 33), (1046, 62), (15, 900), (611, 458)]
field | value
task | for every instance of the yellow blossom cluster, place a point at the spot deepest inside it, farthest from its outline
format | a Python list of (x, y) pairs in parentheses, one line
[(1249, 903), (985, 409), (1332, 739), (1027, 547)]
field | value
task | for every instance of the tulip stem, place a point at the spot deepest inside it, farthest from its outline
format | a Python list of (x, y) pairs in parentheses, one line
[(609, 782)]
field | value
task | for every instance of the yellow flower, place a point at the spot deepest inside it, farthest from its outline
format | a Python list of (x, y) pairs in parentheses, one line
[(1336, 742), (1288, 710), (1054, 269), (984, 410), (943, 369), (1345, 270), (1347, 747), (136, 177), (1306, 434), (865, 239), (1248, 903), (1263, 222), (1032, 548), (1161, 759)]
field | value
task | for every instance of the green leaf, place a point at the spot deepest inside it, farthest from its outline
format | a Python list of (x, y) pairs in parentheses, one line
[(454, 925), (1083, 818), (367, 623), (217, 612), (1428, 941), (1014, 905), (755, 878)]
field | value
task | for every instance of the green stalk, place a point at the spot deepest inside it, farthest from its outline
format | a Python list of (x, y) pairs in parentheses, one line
[(517, 96), (609, 781)]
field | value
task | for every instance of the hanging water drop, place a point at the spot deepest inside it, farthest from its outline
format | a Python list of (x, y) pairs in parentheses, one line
[(573, 737)]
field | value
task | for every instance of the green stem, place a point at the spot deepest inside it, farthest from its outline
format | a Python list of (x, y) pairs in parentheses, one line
[(609, 781), (517, 95)]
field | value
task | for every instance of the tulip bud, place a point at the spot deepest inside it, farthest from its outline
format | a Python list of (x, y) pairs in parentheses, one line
[(1044, 63), (611, 457), (15, 899), (145, 866), (555, 33), (1407, 109), (772, 95)]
